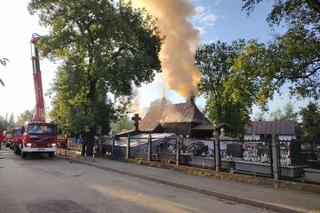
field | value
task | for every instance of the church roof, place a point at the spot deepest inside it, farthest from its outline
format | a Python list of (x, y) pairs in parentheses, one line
[(173, 113), (286, 127)]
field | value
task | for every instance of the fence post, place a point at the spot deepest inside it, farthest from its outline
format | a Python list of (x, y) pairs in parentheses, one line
[(128, 148), (93, 153), (217, 150), (113, 145), (177, 151), (149, 158), (85, 152), (275, 157), (100, 143)]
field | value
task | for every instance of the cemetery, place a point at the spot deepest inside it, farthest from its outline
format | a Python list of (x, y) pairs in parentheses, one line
[(266, 155)]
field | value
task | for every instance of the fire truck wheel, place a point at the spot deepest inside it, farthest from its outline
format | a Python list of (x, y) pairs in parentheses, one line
[(16, 150), (24, 154), (50, 154)]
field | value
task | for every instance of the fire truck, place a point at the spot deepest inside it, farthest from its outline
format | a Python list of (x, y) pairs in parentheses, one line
[(37, 135)]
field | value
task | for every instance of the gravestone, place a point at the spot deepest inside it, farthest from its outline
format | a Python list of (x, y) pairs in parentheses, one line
[(234, 150)]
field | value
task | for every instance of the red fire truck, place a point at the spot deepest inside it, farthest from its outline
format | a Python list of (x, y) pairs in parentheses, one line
[(37, 135)]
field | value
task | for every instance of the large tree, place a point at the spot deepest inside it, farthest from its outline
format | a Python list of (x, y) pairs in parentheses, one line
[(123, 124), (287, 113), (310, 125), (5, 123), (292, 57), (104, 48), (229, 92), (27, 115)]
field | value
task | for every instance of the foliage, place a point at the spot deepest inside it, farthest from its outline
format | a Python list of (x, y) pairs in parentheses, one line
[(122, 125), (311, 123), (25, 116), (104, 48), (287, 113), (5, 123), (3, 62), (260, 116), (229, 92), (292, 57)]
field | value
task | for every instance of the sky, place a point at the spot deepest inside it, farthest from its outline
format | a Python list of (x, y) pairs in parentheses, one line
[(215, 19)]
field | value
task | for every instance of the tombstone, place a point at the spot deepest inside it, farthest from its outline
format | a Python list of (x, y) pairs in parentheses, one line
[(234, 150), (222, 133)]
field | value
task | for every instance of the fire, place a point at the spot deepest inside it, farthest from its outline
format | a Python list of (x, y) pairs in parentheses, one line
[(181, 39)]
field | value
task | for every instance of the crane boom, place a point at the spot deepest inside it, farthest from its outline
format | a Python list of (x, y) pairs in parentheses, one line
[(39, 112)]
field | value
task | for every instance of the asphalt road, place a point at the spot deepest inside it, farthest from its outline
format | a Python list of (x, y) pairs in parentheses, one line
[(41, 185)]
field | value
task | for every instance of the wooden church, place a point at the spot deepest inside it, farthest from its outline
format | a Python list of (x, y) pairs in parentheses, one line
[(183, 119)]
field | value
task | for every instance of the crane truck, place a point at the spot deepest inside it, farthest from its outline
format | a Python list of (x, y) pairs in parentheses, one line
[(36, 136)]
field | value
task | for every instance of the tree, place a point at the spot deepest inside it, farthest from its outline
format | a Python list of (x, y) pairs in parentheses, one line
[(311, 124), (24, 117), (3, 62), (229, 94), (287, 113), (4, 124), (104, 48), (259, 116), (122, 125), (11, 120), (292, 57)]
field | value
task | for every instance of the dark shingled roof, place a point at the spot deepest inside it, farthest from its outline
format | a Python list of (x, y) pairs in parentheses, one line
[(271, 127), (173, 113)]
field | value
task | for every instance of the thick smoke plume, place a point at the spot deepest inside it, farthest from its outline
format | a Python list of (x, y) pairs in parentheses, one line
[(181, 39)]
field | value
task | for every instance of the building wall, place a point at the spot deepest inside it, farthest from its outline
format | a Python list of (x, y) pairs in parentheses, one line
[(287, 137), (252, 137), (178, 128), (280, 137)]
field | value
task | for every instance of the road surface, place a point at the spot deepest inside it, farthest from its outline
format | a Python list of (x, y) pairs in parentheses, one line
[(41, 185)]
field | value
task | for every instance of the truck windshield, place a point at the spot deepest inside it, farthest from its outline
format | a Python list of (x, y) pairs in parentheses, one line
[(42, 129)]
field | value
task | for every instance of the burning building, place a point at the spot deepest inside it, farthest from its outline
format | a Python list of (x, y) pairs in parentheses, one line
[(182, 119)]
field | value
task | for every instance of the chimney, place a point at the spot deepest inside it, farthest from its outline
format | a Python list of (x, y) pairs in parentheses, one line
[(191, 100)]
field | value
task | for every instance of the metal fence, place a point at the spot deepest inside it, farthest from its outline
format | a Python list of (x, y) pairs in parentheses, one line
[(274, 158)]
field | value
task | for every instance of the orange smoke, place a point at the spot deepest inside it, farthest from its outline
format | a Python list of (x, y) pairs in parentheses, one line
[(181, 39)]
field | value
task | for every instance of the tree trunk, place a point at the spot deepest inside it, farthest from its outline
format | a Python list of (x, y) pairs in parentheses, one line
[(90, 142), (83, 150)]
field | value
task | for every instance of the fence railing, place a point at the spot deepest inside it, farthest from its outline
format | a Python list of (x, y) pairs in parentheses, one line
[(274, 158)]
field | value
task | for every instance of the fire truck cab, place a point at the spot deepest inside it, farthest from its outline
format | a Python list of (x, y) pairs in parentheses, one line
[(39, 137), (12, 137)]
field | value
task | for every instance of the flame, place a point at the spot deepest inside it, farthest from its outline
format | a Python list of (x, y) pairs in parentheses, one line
[(181, 39)]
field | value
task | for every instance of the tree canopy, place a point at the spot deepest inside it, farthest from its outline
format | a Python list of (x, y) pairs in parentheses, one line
[(103, 48), (287, 113), (229, 92), (122, 125), (311, 123), (5, 123), (27, 115), (292, 57)]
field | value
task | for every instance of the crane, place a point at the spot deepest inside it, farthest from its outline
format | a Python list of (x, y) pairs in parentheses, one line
[(39, 112)]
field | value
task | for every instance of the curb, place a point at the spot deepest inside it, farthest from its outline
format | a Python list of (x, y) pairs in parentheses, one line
[(190, 188)]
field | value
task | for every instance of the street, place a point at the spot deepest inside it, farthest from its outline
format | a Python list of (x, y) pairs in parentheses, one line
[(39, 184)]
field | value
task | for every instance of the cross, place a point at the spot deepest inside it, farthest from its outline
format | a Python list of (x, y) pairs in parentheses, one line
[(136, 120)]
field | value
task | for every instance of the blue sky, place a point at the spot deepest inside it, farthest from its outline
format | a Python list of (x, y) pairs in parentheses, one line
[(216, 19)]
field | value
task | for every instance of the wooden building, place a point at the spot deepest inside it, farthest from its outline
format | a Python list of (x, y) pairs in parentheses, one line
[(184, 119), (260, 130)]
